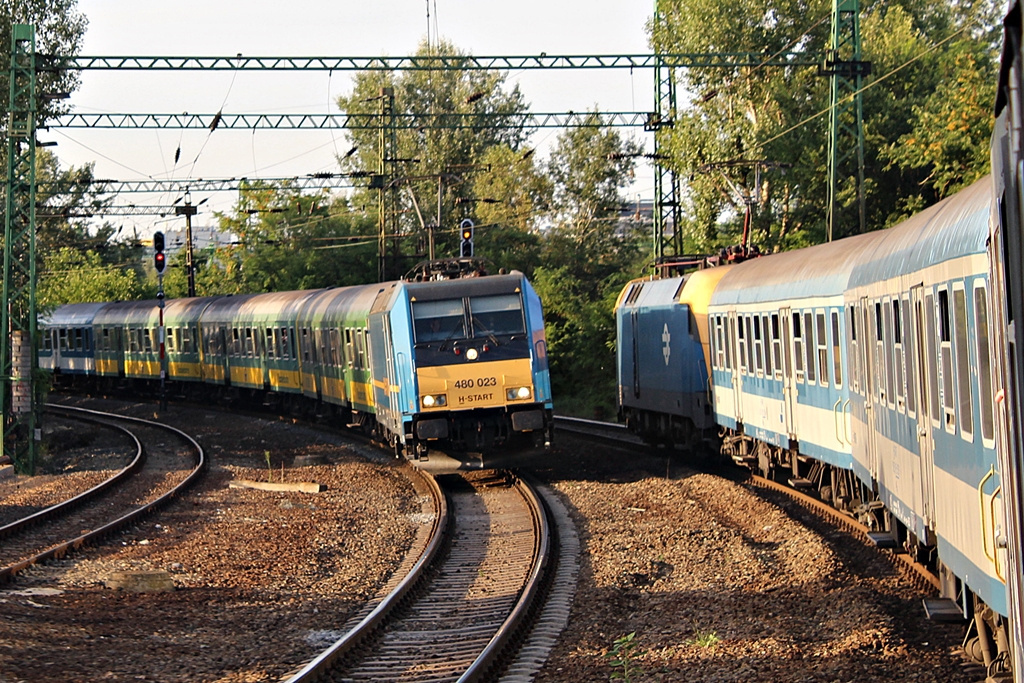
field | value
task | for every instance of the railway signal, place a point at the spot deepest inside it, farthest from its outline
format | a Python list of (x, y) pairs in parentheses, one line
[(466, 247), (159, 257)]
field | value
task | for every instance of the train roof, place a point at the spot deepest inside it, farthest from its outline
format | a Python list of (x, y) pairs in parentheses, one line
[(821, 270), (128, 312), (485, 285), (73, 315), (955, 226), (269, 306)]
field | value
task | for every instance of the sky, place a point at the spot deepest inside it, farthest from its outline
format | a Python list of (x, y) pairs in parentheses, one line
[(329, 29)]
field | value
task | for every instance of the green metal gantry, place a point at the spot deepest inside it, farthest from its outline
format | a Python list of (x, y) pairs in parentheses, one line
[(18, 399), (846, 70)]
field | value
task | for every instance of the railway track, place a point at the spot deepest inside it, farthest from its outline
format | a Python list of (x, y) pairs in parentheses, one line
[(156, 474), (921, 575), (455, 615)]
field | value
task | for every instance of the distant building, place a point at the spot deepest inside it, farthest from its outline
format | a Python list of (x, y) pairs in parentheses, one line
[(203, 237)]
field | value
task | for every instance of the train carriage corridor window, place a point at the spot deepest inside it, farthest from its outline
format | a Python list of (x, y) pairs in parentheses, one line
[(250, 344), (985, 398), (885, 356), (931, 360), (270, 344), (741, 334), (766, 331), (837, 361), (965, 404), (819, 319), (147, 340), (946, 360), (909, 336), (897, 353), (758, 346), (719, 337), (776, 346), (809, 346), (439, 321), (337, 357), (287, 343), (496, 316), (798, 347)]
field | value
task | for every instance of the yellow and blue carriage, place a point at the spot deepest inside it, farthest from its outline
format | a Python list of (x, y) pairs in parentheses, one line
[(332, 340)]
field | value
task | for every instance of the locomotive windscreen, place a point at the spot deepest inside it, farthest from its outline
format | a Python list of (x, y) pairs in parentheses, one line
[(485, 316)]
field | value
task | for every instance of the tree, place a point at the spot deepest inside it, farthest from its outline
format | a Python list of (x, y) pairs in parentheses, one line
[(436, 162), (287, 240), (512, 195), (776, 113), (588, 257), (74, 276)]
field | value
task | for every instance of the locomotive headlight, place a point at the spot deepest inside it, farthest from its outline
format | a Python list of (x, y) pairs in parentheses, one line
[(472, 354), (518, 393), (434, 400)]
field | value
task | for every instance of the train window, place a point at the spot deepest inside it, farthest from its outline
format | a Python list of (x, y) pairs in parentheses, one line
[(931, 360), (47, 340), (854, 356), (822, 338), (719, 337), (887, 357), (273, 342), (776, 346), (897, 355), (984, 361), (336, 354), (350, 348), (798, 346), (191, 340), (911, 360), (236, 342), (496, 315), (946, 360), (963, 367), (809, 346), (307, 347), (105, 338), (758, 346), (170, 332), (743, 361), (730, 350), (361, 347), (147, 340), (78, 339), (287, 343), (766, 330), (439, 320), (837, 364), (250, 346)]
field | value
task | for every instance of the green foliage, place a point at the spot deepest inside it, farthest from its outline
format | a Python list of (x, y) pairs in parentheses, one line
[(439, 165), (287, 241), (912, 158), (622, 657), (704, 638), (74, 276)]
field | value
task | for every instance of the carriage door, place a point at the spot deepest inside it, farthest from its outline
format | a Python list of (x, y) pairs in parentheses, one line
[(925, 440), (788, 377)]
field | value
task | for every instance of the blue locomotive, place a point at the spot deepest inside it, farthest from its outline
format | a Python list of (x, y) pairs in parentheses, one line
[(462, 361), (880, 371)]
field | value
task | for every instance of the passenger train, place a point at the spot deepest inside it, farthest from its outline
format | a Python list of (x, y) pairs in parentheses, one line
[(463, 361), (880, 371)]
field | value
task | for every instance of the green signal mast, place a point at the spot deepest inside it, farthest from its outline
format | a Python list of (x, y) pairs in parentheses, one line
[(18, 400)]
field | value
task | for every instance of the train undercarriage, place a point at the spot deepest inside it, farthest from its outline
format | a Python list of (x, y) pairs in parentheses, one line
[(986, 639)]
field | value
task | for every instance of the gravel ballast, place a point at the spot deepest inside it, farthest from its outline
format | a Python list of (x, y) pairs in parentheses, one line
[(716, 581)]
